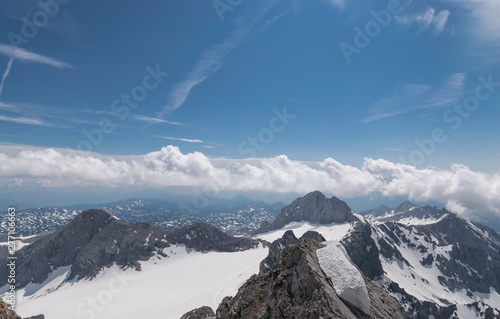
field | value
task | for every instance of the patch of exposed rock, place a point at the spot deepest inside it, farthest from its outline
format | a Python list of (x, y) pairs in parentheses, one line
[(279, 244), (200, 313), (6, 312), (205, 237)]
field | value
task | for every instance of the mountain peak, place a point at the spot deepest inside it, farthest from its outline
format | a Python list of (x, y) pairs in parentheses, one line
[(315, 208), (406, 205)]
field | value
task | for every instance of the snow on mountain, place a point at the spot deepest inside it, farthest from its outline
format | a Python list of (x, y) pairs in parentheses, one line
[(450, 262), (406, 213), (330, 232), (166, 287), (347, 280)]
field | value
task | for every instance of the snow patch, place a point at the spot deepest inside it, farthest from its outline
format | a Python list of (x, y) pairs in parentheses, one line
[(347, 280)]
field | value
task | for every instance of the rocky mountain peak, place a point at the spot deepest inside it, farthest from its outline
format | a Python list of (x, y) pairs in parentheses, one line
[(405, 206), (315, 208)]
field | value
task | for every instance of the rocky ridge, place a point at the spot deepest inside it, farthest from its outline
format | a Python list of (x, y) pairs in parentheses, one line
[(96, 239)]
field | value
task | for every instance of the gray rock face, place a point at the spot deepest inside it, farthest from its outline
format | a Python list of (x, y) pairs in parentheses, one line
[(278, 245), (366, 259), (36, 317), (200, 313), (95, 239), (313, 207), (471, 261), (205, 237), (298, 288)]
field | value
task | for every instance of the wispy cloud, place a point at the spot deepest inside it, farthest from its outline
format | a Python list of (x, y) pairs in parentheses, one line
[(188, 140), (6, 106), (23, 120), (6, 74), (27, 56), (440, 21), (485, 13), (210, 62), (425, 20), (336, 3), (154, 120), (411, 97)]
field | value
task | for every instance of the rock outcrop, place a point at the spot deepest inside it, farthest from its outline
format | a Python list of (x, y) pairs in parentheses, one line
[(200, 313), (6, 312), (278, 245), (205, 237), (298, 288)]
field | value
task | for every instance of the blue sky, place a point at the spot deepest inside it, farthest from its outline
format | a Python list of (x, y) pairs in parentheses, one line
[(218, 74)]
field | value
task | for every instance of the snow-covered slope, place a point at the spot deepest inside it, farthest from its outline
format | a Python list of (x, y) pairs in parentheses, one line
[(450, 262), (329, 232), (164, 288)]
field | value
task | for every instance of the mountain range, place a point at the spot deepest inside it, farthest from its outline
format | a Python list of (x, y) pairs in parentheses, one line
[(238, 215), (317, 258)]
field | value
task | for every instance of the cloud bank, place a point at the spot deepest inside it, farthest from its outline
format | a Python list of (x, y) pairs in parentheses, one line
[(463, 191)]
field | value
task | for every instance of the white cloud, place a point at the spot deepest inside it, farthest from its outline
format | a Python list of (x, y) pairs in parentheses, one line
[(154, 120), (464, 191), (426, 19), (188, 140), (27, 56)]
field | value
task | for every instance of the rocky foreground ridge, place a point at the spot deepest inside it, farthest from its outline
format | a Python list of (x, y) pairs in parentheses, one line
[(297, 287)]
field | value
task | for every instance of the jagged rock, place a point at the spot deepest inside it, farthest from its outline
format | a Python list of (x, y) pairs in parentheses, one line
[(363, 250), (311, 234), (382, 305), (278, 245), (275, 250), (36, 317), (205, 237), (297, 288), (200, 313), (313, 207), (6, 313)]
